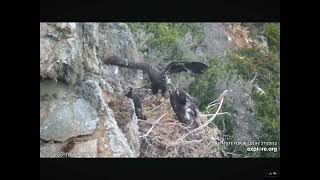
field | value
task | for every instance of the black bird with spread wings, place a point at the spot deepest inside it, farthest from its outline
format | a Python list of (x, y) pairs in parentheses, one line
[(158, 78)]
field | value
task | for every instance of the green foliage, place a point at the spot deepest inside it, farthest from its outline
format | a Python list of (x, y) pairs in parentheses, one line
[(267, 66), (243, 62), (272, 33), (134, 27), (166, 35), (225, 122), (203, 88), (268, 112), (250, 61), (246, 63)]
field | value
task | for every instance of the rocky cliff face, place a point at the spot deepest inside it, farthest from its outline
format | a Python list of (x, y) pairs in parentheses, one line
[(83, 110), (78, 93)]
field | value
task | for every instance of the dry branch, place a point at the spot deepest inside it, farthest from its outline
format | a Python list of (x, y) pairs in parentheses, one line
[(157, 121), (221, 99), (201, 142), (165, 101)]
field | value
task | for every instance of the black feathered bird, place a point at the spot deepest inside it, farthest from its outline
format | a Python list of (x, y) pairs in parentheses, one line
[(184, 106), (137, 103), (158, 78)]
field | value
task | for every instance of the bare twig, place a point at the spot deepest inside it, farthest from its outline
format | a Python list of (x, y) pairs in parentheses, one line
[(261, 91), (213, 103), (217, 114), (158, 120), (188, 142), (165, 101), (254, 78), (221, 99), (236, 155)]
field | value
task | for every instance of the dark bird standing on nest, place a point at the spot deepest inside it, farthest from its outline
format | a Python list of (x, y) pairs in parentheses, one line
[(184, 106), (137, 103), (158, 78)]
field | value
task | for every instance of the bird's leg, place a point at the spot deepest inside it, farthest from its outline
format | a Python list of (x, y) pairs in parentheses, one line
[(158, 97), (163, 93), (163, 90), (162, 99), (154, 90)]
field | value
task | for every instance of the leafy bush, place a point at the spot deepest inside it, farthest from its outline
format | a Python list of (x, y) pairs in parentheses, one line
[(267, 108), (203, 88), (243, 64), (166, 35), (246, 63), (272, 33)]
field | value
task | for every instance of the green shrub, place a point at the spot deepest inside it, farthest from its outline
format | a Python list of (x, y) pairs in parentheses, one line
[(246, 63), (166, 35), (203, 88), (266, 108), (272, 33), (243, 62)]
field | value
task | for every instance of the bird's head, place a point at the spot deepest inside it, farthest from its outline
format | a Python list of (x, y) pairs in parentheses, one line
[(128, 92)]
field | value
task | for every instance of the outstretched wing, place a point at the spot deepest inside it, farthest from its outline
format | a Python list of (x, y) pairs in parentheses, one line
[(119, 61), (194, 67), (115, 60)]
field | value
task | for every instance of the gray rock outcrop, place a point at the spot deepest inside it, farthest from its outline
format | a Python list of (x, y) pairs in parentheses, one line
[(76, 88)]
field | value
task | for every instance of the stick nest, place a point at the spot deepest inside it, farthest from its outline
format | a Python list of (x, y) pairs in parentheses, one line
[(162, 134)]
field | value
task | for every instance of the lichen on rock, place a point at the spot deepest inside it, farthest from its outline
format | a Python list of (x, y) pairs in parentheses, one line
[(73, 82)]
